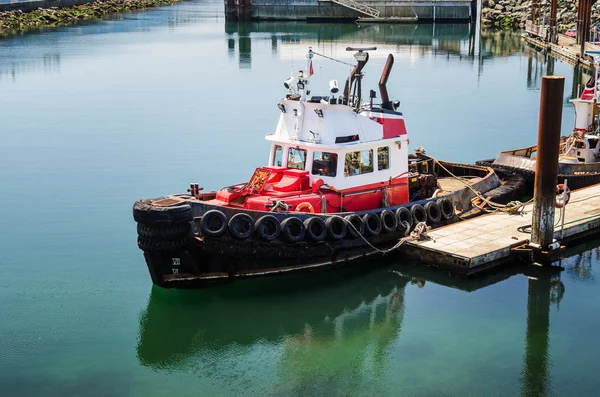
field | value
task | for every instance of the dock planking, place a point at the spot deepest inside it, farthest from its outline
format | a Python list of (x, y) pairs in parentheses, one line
[(481, 243)]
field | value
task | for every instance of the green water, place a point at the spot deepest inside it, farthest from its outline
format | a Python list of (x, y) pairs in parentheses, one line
[(93, 117)]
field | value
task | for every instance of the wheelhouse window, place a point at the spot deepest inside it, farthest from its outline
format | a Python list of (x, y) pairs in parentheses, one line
[(324, 163), (277, 156), (383, 158), (358, 163), (296, 158)]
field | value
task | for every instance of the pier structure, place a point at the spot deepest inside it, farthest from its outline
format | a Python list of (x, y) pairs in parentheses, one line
[(541, 32), (363, 11), (485, 242)]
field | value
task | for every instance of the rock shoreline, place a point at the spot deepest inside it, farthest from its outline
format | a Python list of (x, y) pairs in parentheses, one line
[(14, 22), (513, 13)]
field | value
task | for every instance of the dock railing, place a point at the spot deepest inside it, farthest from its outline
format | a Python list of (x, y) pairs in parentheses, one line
[(360, 7)]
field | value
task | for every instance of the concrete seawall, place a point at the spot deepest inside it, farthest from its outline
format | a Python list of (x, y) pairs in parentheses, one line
[(329, 10)]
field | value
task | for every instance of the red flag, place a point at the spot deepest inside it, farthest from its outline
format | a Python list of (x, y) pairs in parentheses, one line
[(310, 69)]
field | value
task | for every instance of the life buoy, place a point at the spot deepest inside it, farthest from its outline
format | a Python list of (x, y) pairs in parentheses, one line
[(563, 195), (305, 206)]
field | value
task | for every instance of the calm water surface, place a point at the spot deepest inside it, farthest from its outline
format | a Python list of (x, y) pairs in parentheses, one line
[(93, 117)]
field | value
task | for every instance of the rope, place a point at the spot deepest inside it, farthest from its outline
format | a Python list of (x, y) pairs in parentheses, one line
[(419, 232), (513, 207), (333, 59)]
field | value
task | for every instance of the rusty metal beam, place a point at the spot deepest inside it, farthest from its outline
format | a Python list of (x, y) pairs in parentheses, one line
[(546, 169)]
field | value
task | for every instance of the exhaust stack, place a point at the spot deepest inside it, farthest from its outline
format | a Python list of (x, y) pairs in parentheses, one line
[(387, 69)]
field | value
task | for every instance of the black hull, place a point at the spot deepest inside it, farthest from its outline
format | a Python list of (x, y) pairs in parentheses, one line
[(205, 261)]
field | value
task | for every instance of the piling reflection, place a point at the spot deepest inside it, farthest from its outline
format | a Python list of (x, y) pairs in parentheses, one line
[(343, 320)]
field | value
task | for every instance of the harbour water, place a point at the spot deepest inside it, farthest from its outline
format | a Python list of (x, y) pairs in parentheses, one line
[(95, 116)]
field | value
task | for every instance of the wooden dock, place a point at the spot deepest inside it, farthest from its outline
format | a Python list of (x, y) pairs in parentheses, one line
[(567, 50), (488, 241)]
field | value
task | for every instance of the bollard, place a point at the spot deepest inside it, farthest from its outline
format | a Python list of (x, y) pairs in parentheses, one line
[(546, 168)]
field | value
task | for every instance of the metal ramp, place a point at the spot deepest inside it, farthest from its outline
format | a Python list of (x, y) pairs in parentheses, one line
[(360, 7)]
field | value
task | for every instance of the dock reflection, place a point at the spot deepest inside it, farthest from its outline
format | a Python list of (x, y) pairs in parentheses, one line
[(352, 313)]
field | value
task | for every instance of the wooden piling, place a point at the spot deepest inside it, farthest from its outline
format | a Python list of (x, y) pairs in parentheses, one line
[(546, 169)]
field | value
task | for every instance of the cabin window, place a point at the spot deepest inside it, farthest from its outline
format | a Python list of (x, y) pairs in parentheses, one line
[(593, 143), (358, 163), (383, 158), (324, 163), (277, 156), (296, 158)]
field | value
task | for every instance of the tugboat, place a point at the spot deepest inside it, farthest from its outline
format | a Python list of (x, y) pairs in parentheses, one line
[(339, 185), (579, 153)]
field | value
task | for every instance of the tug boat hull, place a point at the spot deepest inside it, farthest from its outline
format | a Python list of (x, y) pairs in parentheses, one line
[(186, 257)]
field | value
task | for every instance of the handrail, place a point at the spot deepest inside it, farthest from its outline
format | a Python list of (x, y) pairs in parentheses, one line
[(360, 7)]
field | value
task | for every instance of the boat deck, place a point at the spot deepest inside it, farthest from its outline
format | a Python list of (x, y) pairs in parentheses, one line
[(488, 241)]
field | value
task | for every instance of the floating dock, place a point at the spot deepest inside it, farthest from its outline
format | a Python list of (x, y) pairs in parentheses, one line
[(567, 50), (489, 241)]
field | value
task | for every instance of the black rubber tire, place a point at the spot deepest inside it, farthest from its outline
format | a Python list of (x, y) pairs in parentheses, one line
[(267, 227), (292, 229), (241, 226), (165, 232), (403, 215), (145, 212), (316, 230), (213, 223), (404, 227), (418, 214), (336, 227), (434, 214), (372, 224), (158, 246), (388, 221), (446, 208), (358, 224)]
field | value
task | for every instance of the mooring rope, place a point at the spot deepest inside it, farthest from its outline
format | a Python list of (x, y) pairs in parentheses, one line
[(333, 59), (419, 232), (513, 207)]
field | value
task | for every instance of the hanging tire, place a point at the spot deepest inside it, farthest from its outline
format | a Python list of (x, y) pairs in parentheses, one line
[(315, 228), (145, 212), (241, 226), (388, 221), (418, 214), (292, 229), (403, 215), (161, 246), (372, 224), (336, 227), (213, 223), (446, 208), (267, 228), (434, 214), (165, 232), (358, 224)]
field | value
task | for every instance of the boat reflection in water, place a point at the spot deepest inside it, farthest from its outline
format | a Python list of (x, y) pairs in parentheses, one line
[(306, 334), (302, 310)]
